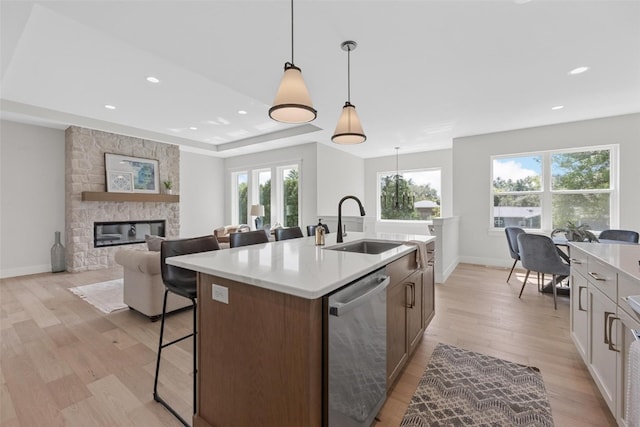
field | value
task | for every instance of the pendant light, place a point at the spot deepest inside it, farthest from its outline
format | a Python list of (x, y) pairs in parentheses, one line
[(398, 201), (349, 129), (292, 103)]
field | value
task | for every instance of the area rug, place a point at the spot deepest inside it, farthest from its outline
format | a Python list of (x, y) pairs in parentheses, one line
[(463, 388), (105, 296)]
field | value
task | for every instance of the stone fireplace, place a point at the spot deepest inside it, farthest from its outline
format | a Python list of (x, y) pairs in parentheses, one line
[(85, 172)]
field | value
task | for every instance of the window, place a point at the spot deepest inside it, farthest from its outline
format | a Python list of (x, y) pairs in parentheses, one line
[(239, 197), (276, 188), (409, 195), (546, 190)]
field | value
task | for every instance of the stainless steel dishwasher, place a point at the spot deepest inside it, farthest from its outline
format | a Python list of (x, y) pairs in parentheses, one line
[(356, 357)]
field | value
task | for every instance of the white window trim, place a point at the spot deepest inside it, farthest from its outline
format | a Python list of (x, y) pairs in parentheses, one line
[(547, 193)]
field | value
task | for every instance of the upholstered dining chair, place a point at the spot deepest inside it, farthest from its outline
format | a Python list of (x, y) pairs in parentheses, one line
[(180, 281), (248, 238), (539, 253), (620, 235), (287, 233), (311, 229), (512, 240)]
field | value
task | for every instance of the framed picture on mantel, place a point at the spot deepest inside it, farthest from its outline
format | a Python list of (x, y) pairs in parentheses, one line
[(144, 174)]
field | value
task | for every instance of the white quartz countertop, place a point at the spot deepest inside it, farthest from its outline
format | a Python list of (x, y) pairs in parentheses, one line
[(624, 257), (297, 266)]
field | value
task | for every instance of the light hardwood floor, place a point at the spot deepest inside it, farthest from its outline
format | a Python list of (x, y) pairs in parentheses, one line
[(65, 363)]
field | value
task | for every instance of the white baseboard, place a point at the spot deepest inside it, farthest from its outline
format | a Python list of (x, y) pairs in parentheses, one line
[(25, 271), (442, 277)]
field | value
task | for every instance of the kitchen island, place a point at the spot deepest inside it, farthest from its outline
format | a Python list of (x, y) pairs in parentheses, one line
[(260, 324)]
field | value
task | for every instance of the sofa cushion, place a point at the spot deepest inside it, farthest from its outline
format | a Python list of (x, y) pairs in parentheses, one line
[(153, 242)]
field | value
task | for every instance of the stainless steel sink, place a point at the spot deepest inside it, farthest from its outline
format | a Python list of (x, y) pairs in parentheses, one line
[(366, 246)]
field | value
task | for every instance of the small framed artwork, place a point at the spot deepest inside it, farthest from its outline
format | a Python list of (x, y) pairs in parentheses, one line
[(119, 182), (144, 172)]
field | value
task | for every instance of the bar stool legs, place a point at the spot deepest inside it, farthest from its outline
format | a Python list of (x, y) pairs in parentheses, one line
[(161, 346)]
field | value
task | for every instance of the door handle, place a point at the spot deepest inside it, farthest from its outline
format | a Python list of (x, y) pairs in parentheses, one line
[(611, 345), (338, 308), (580, 289), (607, 338)]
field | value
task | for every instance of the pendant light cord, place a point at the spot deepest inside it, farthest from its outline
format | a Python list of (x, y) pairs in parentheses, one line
[(292, 63), (349, 74)]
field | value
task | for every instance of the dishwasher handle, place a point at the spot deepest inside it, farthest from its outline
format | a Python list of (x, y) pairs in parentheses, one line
[(340, 308)]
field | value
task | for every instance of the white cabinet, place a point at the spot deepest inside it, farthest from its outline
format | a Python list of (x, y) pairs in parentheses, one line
[(603, 325), (602, 360), (579, 313)]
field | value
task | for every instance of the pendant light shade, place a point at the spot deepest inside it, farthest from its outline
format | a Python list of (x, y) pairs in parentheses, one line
[(292, 103), (349, 128)]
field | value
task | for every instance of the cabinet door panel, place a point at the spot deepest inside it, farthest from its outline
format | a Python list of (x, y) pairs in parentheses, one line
[(579, 313), (602, 360), (396, 331), (414, 310)]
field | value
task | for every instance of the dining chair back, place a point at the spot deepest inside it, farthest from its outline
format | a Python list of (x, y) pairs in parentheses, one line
[(311, 229), (287, 233), (512, 240), (620, 235), (538, 253), (248, 238), (183, 282)]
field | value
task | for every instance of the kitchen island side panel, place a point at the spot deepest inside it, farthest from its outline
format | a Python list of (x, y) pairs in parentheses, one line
[(259, 357)]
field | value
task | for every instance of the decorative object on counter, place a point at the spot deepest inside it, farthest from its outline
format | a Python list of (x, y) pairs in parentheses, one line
[(293, 103), (258, 212), (168, 187), (319, 232), (461, 387), (311, 229), (105, 296), (576, 233), (144, 173), (401, 199), (349, 128), (57, 255), (362, 213)]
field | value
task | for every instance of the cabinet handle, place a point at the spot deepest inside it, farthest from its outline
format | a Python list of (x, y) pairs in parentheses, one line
[(411, 286), (575, 261), (597, 277), (611, 345), (606, 317), (580, 289)]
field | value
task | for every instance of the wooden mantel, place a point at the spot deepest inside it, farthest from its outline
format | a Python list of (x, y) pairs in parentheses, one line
[(100, 196)]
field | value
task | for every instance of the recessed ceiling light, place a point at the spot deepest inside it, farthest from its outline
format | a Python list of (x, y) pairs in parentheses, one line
[(152, 79), (558, 107), (578, 70), (242, 112), (110, 107), (193, 128)]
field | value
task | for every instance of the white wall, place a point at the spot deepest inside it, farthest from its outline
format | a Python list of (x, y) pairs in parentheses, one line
[(426, 160), (471, 160), (306, 154), (32, 190), (339, 174), (201, 194)]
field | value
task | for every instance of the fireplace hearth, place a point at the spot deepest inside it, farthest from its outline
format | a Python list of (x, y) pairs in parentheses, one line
[(117, 233)]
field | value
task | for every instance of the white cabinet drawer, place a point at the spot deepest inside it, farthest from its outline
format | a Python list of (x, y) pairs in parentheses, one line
[(579, 261), (603, 277)]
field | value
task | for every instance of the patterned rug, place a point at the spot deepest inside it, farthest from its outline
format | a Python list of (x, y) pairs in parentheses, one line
[(105, 296), (463, 388)]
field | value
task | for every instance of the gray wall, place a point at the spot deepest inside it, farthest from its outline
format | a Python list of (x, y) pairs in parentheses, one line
[(471, 176)]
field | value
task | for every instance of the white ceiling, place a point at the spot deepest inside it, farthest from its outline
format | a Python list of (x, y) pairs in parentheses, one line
[(424, 72)]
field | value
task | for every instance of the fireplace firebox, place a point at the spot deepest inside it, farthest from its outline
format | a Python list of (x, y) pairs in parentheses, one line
[(116, 233)]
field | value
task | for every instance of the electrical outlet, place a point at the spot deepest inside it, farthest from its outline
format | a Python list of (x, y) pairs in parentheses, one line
[(220, 293)]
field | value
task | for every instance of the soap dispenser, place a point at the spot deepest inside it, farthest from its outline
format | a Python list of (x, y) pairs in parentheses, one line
[(319, 233)]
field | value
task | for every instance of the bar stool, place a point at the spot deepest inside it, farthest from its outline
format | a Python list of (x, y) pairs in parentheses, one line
[(181, 282)]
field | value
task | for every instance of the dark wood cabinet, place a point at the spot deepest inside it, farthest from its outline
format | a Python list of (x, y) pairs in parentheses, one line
[(428, 287)]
